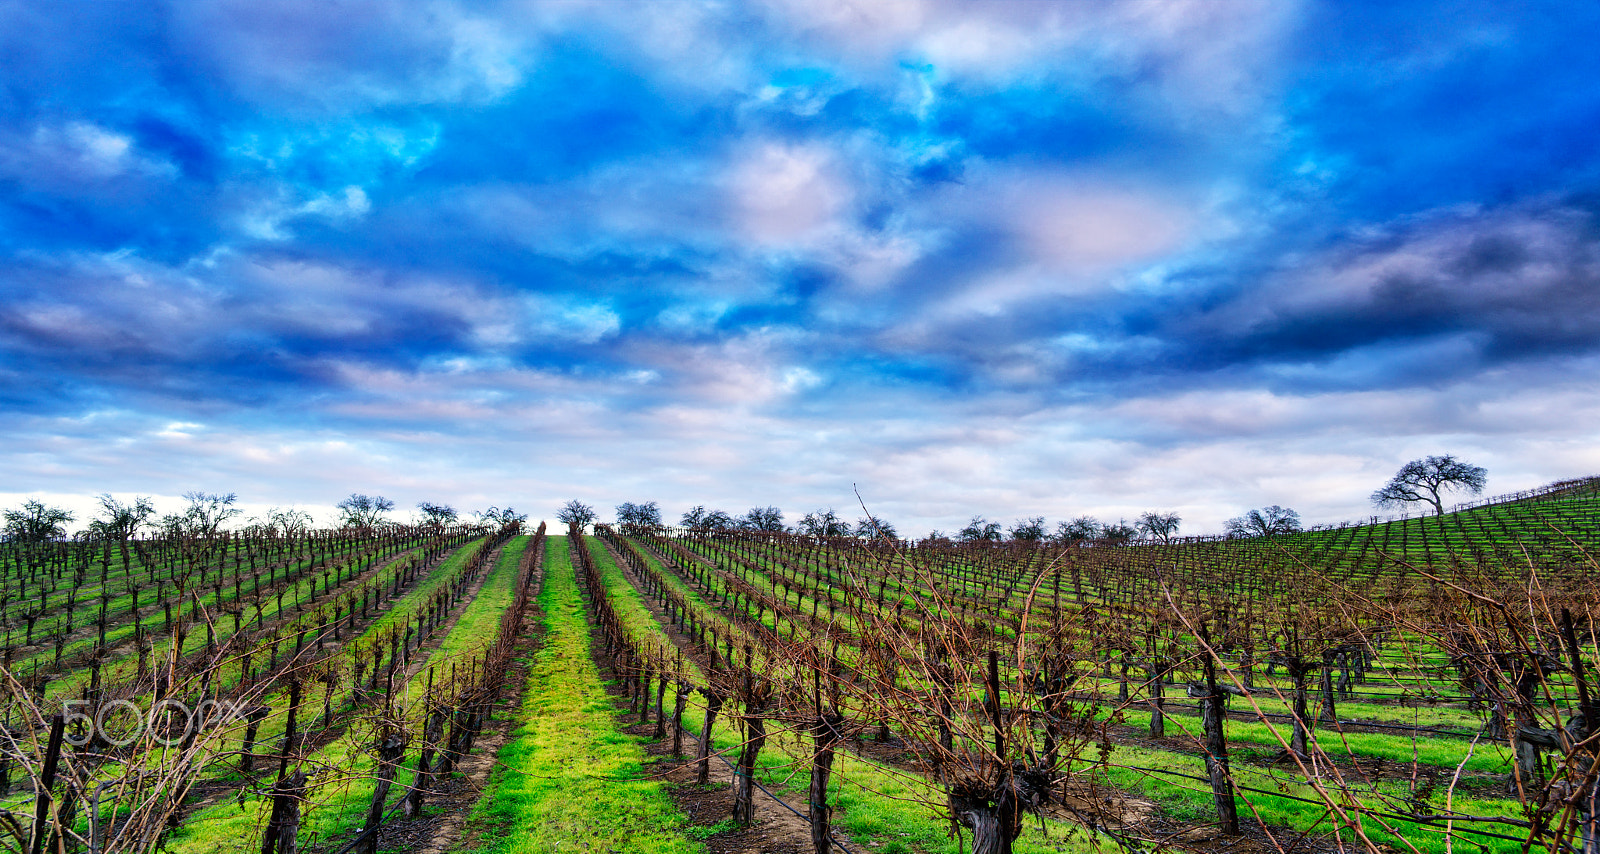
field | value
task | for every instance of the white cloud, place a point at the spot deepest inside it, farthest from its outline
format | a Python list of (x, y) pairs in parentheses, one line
[(76, 156), (723, 434), (785, 193)]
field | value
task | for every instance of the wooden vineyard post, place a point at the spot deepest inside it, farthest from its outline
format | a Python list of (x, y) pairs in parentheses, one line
[(1213, 715), (283, 827), (754, 697), (1588, 803), (714, 702), (390, 752), (1330, 711), (5, 772), (824, 733), (1157, 672), (680, 699), (47, 778), (432, 730), (247, 755), (643, 693), (996, 715), (661, 693), (1298, 670)]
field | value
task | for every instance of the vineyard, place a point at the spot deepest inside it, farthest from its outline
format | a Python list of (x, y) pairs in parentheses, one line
[(1423, 684)]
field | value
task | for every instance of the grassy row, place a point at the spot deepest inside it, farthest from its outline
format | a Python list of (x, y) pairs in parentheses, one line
[(569, 777), (1441, 753)]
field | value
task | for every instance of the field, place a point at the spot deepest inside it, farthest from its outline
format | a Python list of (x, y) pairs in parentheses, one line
[(1420, 685)]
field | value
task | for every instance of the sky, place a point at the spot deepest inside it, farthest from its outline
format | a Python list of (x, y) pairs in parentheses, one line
[(999, 259)]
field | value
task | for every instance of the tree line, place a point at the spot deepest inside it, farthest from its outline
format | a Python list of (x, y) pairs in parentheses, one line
[(206, 514), (1418, 481)]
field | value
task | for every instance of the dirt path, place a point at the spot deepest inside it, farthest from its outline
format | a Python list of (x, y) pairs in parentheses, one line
[(775, 830)]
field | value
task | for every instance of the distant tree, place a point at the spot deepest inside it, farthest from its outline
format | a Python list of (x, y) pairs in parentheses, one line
[(1424, 480), (289, 521), (1030, 530), (576, 512), (873, 528), (1157, 526), (769, 519), (698, 518), (639, 519), (501, 516), (1265, 522), (437, 514), (35, 522), (980, 530), (1121, 532), (118, 521), (204, 517), (694, 518), (363, 511), (824, 523), (1079, 530)]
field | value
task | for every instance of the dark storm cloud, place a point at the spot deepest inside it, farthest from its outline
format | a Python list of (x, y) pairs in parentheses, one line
[(1518, 283)]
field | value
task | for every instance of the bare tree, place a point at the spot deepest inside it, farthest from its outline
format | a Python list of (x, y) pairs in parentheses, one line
[(1030, 530), (1121, 532), (639, 518), (824, 523), (437, 514), (1158, 526), (980, 530), (1424, 480), (501, 515), (205, 515), (364, 511), (575, 512), (1265, 522), (873, 528), (694, 518), (35, 522), (120, 521), (767, 519), (1081, 529), (289, 521)]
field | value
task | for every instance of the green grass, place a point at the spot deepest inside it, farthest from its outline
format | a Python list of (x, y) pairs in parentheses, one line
[(1190, 801), (569, 777), (1445, 753), (338, 807)]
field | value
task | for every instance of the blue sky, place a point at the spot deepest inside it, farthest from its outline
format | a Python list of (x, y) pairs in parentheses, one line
[(1008, 259)]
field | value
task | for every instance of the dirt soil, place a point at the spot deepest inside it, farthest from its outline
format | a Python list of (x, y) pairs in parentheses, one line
[(775, 830)]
